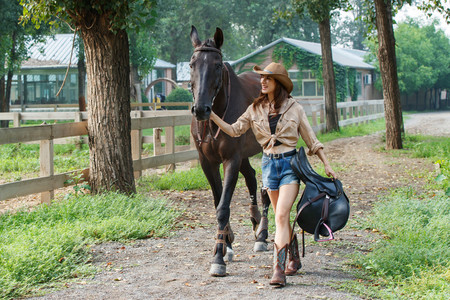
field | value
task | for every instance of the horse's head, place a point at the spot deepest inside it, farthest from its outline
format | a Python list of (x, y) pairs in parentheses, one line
[(206, 72)]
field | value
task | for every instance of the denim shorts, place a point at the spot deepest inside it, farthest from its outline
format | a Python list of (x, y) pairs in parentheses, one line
[(277, 172)]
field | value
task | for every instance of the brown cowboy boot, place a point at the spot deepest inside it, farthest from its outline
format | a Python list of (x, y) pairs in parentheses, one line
[(279, 265), (294, 263)]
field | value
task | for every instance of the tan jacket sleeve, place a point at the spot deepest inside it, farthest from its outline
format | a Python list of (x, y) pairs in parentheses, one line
[(242, 124), (308, 134)]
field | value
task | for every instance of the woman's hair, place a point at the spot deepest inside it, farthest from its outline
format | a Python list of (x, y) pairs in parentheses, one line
[(280, 95)]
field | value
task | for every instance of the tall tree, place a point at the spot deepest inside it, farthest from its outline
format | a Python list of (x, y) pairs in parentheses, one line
[(246, 24), (388, 67), (14, 43), (380, 13), (417, 69), (321, 12), (103, 24)]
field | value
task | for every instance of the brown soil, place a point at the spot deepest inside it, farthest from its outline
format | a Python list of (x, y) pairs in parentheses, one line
[(177, 267)]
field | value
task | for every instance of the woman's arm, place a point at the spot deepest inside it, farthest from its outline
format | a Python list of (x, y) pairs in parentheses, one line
[(328, 170), (236, 129), (224, 126)]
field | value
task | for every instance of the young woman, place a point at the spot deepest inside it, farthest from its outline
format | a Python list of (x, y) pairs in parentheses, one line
[(278, 121)]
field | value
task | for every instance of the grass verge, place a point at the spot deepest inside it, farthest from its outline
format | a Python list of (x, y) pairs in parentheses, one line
[(52, 243), (411, 260)]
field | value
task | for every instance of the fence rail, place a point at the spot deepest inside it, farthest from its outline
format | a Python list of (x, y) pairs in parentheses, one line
[(46, 134), (349, 112)]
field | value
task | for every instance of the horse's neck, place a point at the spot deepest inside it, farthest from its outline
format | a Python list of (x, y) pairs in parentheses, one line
[(223, 98)]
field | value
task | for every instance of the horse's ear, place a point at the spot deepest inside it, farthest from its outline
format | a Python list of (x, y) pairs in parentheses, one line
[(218, 37), (194, 37)]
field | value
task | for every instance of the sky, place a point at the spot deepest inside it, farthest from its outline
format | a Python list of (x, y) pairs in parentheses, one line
[(413, 12)]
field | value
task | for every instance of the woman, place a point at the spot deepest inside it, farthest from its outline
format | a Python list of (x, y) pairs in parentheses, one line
[(278, 121)]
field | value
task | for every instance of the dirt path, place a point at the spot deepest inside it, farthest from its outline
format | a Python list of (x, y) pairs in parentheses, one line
[(177, 267)]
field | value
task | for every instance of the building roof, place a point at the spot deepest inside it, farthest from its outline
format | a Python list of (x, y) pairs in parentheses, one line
[(162, 64), (55, 52), (344, 57)]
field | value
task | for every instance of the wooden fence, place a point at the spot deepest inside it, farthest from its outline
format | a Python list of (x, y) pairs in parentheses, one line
[(350, 113), (74, 107), (47, 134)]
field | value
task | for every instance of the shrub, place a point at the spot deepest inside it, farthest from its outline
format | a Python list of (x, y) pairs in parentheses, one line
[(179, 95)]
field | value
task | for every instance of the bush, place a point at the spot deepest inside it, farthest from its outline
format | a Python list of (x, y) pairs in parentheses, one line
[(179, 95)]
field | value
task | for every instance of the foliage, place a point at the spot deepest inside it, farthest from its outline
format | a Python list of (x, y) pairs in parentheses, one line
[(444, 175), (54, 242), (179, 95), (304, 60), (120, 15), (352, 30), (422, 57), (246, 24), (142, 51)]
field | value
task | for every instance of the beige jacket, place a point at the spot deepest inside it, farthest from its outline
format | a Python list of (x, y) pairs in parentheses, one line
[(292, 124)]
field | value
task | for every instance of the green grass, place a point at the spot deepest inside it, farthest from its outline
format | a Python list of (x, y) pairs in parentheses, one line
[(18, 160), (192, 179), (411, 260), (350, 131), (52, 243), (413, 257)]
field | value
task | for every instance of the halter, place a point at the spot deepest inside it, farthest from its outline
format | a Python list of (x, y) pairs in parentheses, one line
[(200, 138)]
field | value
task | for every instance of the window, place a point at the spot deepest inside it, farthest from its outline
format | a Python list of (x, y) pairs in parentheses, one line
[(306, 85)]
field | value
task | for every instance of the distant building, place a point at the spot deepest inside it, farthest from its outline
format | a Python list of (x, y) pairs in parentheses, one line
[(306, 84), (40, 77)]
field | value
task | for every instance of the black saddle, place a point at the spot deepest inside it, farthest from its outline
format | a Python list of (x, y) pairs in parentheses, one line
[(323, 207)]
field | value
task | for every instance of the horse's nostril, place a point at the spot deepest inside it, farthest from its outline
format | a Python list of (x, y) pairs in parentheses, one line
[(208, 109), (193, 109)]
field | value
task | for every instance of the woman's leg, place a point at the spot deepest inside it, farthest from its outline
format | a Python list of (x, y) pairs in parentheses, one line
[(282, 202)]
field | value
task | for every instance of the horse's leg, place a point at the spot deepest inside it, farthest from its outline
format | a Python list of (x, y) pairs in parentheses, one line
[(225, 236), (212, 174), (252, 185), (262, 233)]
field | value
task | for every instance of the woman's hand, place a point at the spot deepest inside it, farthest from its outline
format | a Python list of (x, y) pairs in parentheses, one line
[(329, 171)]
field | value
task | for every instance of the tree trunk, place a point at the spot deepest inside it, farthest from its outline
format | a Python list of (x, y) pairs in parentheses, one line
[(81, 78), (109, 126), (388, 68), (3, 124), (329, 83)]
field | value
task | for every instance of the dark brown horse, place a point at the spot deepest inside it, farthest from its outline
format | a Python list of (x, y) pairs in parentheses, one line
[(216, 87)]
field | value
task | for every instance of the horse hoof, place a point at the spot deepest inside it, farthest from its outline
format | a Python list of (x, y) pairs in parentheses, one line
[(218, 270), (260, 247), (229, 256)]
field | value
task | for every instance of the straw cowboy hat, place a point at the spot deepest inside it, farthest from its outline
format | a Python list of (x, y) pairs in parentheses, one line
[(278, 72)]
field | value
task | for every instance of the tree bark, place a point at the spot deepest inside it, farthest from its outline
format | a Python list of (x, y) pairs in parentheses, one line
[(81, 78), (329, 84), (109, 126), (3, 124), (388, 68)]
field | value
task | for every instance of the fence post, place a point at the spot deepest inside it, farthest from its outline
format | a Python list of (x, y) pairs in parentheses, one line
[(16, 119), (136, 142), (46, 161), (157, 149), (170, 145)]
